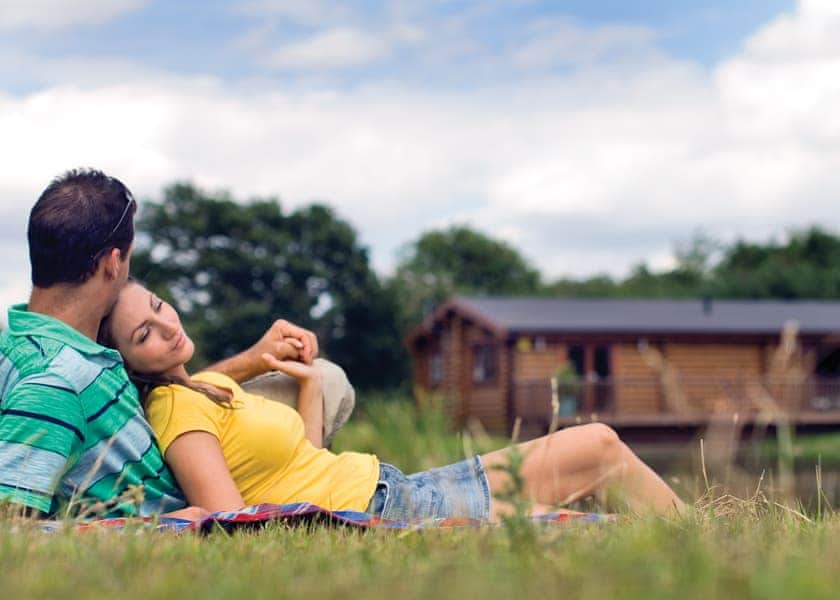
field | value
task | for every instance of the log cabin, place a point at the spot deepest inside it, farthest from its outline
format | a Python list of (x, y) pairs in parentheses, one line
[(630, 363)]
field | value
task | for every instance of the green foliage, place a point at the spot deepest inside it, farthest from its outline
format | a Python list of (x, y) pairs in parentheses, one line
[(807, 265), (807, 451), (458, 260), (412, 438), (232, 268), (521, 531)]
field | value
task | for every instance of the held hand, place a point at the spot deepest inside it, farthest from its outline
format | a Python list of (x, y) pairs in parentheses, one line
[(306, 375), (286, 341), (283, 341)]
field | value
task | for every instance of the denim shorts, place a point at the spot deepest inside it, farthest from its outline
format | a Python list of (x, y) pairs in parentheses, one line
[(457, 490)]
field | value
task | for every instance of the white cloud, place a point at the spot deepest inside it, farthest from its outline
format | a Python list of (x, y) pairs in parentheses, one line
[(564, 42), (338, 48), (306, 12), (593, 171), (341, 47), (51, 15)]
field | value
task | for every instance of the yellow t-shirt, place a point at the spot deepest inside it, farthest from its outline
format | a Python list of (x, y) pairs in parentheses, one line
[(264, 446)]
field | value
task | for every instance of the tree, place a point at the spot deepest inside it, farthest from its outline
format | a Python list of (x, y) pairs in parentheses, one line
[(458, 260), (807, 266), (232, 268)]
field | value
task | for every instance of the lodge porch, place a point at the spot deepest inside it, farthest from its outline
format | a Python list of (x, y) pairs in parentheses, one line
[(652, 407)]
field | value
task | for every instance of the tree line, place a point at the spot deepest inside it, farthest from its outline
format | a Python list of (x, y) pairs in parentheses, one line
[(232, 267)]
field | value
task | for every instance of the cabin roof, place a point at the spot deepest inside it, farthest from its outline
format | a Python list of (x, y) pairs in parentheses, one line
[(552, 315)]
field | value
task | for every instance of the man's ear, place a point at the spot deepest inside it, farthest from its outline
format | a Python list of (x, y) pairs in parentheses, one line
[(112, 262)]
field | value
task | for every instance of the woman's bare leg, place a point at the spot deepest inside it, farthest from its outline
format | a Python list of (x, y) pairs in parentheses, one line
[(578, 462)]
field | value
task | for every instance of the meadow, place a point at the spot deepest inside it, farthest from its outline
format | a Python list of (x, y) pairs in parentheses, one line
[(731, 545)]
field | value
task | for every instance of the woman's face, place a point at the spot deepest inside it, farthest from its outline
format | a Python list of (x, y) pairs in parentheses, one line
[(148, 333)]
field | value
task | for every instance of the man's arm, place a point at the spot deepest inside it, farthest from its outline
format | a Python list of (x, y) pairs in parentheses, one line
[(40, 428), (283, 340)]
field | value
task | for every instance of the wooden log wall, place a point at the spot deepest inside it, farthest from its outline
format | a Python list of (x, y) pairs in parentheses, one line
[(639, 391), (486, 401), (464, 398), (708, 376), (538, 362), (713, 376)]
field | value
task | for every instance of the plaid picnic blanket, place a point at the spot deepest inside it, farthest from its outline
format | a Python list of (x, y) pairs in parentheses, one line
[(303, 514)]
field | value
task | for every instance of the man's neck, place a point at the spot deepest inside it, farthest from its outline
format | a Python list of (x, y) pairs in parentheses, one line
[(80, 307)]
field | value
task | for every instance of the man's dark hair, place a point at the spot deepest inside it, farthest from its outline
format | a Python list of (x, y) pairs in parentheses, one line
[(79, 217)]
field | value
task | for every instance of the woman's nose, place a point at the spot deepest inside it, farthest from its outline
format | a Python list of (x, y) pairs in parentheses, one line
[(168, 329)]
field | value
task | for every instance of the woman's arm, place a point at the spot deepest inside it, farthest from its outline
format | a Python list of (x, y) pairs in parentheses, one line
[(310, 402), (198, 464)]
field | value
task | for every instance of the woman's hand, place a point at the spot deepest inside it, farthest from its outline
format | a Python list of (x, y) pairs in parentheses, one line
[(191, 513), (287, 341), (303, 373)]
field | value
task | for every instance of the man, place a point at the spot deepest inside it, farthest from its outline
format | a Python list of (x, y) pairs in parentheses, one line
[(72, 432)]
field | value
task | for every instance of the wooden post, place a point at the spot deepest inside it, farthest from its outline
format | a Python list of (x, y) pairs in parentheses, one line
[(588, 371)]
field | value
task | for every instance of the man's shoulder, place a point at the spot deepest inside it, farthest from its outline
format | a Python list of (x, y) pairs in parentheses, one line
[(20, 358), (27, 350), (46, 362)]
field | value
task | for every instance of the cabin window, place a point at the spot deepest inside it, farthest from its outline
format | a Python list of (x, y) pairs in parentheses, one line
[(602, 361), (485, 363), (577, 358), (435, 369)]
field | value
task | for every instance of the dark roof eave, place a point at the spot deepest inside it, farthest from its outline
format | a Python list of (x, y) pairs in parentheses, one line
[(461, 307), (467, 308), (533, 330)]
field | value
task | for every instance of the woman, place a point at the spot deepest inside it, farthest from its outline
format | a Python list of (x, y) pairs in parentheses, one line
[(228, 448)]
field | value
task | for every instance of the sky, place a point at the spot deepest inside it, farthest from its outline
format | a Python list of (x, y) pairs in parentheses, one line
[(592, 135)]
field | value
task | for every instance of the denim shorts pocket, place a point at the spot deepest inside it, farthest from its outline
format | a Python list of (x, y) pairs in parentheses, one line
[(380, 498), (389, 476), (413, 499)]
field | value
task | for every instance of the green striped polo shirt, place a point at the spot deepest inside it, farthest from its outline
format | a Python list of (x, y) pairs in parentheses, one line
[(72, 430)]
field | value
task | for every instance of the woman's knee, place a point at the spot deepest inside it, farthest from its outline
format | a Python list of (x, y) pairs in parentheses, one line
[(602, 434), (603, 442)]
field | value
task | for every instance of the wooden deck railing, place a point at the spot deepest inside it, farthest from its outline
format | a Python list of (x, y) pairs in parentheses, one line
[(691, 399)]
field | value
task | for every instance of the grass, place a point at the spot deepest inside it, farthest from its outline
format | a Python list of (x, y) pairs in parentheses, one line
[(413, 440), (727, 547), (776, 556), (823, 447)]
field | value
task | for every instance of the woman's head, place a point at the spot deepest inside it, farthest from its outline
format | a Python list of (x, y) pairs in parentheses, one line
[(147, 332)]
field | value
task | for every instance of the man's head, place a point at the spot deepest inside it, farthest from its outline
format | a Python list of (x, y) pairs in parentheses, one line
[(78, 221)]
